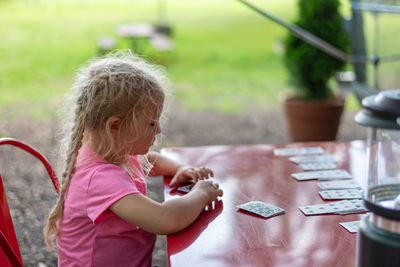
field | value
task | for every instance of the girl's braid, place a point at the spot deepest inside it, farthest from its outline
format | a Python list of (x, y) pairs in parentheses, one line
[(75, 143)]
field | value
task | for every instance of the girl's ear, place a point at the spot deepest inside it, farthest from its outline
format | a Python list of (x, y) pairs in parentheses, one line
[(114, 125)]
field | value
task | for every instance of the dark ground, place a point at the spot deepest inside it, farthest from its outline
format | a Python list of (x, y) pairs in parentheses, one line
[(31, 195)]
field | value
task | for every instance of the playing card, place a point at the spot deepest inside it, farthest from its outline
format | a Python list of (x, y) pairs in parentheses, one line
[(322, 175), (261, 208), (338, 185), (298, 151), (325, 208), (337, 207), (313, 158), (355, 205), (352, 193), (185, 188), (326, 165), (352, 227)]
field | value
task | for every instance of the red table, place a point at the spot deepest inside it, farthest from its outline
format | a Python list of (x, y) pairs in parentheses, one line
[(225, 236)]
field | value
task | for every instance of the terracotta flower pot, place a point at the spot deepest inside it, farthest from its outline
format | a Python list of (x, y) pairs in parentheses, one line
[(313, 120)]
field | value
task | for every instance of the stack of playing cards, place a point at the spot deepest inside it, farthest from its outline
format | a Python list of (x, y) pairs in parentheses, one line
[(313, 158), (320, 162), (337, 207), (309, 158), (322, 175), (340, 190), (352, 193), (261, 208), (342, 184), (298, 151), (320, 165)]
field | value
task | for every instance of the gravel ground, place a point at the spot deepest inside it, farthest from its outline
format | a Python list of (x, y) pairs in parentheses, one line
[(31, 195)]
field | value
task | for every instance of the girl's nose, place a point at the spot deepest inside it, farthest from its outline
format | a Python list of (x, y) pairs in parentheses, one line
[(158, 129)]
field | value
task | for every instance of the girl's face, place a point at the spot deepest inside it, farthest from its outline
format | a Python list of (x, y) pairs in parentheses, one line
[(148, 127)]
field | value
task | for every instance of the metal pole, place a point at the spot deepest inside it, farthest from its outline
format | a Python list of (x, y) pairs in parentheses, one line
[(376, 55), (357, 42)]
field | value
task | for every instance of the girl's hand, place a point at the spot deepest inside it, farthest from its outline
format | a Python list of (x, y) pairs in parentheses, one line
[(210, 188), (187, 173)]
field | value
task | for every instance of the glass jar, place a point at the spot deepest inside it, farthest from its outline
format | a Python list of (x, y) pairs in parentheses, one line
[(378, 241)]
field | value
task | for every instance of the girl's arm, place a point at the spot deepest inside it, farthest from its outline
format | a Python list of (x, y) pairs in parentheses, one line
[(163, 165), (180, 173), (168, 217)]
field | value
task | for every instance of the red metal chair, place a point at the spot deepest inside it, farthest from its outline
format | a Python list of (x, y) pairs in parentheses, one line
[(10, 254)]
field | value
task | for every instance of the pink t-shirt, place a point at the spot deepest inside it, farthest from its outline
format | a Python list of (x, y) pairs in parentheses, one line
[(90, 233)]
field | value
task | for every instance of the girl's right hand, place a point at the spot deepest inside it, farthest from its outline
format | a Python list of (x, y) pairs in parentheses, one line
[(210, 188)]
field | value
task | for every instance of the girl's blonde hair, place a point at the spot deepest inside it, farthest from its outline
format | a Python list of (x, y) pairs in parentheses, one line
[(117, 85)]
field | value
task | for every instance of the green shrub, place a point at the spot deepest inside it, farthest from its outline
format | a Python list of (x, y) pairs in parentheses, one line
[(310, 69)]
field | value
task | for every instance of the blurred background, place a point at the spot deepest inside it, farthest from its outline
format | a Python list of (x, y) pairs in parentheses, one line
[(222, 56)]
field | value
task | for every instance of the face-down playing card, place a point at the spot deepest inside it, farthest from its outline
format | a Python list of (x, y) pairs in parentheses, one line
[(261, 208)]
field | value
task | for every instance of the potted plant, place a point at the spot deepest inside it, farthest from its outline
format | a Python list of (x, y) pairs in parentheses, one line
[(314, 110)]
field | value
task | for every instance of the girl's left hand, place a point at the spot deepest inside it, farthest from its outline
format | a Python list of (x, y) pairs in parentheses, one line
[(187, 173)]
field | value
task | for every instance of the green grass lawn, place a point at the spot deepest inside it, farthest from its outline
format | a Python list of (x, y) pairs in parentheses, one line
[(226, 57)]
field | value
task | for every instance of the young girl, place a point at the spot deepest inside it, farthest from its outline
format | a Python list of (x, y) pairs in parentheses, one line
[(103, 217)]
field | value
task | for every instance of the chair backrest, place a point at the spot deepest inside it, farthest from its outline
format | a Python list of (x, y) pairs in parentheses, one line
[(10, 254), (33, 151)]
